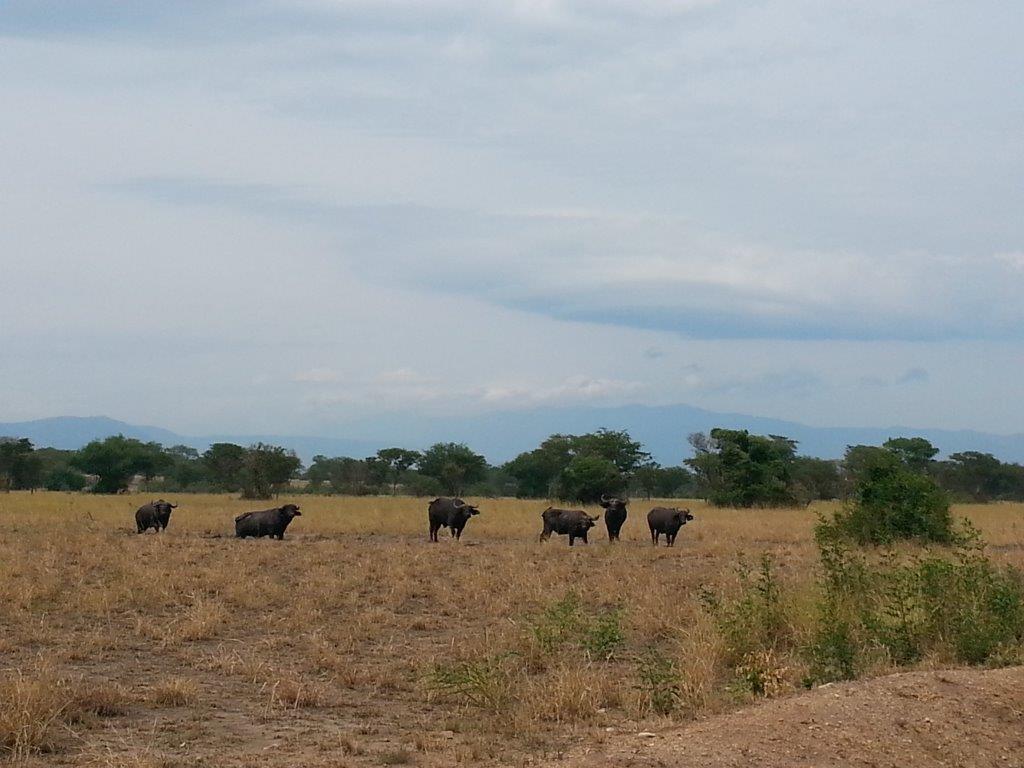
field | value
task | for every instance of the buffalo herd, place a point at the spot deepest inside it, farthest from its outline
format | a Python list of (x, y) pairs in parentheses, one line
[(451, 513)]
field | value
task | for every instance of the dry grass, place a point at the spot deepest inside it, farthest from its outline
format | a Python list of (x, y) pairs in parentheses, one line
[(191, 647)]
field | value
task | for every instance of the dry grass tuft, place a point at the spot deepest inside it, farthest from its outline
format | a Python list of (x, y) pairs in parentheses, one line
[(174, 692), (32, 707)]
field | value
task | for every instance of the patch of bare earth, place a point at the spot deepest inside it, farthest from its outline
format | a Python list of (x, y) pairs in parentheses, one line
[(938, 718)]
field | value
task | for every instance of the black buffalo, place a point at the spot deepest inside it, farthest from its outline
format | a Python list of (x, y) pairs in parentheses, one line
[(572, 522), (154, 515), (449, 513), (668, 521), (614, 515), (266, 522)]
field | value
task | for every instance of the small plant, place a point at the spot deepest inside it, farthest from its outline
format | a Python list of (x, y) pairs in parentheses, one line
[(659, 682), (604, 636), (484, 683), (559, 623), (754, 620), (566, 622), (762, 673)]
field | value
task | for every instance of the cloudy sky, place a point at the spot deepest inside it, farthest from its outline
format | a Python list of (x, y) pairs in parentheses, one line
[(283, 215)]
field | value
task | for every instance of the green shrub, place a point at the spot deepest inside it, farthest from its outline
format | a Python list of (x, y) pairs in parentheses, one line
[(484, 683), (566, 622), (890, 503), (755, 619), (659, 682), (954, 604)]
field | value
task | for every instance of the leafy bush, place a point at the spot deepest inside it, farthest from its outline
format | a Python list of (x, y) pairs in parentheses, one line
[(955, 605), (566, 622), (890, 503), (484, 683), (659, 682), (755, 619)]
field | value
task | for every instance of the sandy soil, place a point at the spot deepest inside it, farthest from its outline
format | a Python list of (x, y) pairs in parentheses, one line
[(944, 718)]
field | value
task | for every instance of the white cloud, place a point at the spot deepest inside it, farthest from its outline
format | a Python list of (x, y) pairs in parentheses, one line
[(312, 212)]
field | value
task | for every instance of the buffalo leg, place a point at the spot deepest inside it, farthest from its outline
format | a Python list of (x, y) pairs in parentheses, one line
[(654, 537), (584, 537), (572, 539), (546, 533), (671, 538)]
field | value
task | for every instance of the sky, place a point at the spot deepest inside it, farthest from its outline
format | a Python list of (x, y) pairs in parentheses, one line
[(288, 215)]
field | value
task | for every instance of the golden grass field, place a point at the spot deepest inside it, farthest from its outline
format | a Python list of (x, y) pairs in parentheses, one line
[(192, 648)]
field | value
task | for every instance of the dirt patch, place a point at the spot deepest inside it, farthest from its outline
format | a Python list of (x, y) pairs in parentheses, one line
[(950, 718)]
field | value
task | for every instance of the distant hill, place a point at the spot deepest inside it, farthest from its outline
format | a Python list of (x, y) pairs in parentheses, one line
[(503, 434)]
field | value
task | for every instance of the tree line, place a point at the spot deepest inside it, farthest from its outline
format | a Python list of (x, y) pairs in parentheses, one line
[(728, 467)]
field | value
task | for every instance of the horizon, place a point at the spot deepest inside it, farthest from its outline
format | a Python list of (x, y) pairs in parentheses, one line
[(500, 436), (285, 218)]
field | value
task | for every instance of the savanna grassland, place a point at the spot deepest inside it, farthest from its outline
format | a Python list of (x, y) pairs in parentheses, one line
[(356, 642)]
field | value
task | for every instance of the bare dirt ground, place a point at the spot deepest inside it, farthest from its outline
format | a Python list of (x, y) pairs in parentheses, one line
[(969, 718)]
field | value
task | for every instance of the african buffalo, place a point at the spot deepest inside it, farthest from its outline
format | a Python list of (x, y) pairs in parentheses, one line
[(614, 515), (449, 513), (266, 522), (574, 522), (668, 521), (154, 515)]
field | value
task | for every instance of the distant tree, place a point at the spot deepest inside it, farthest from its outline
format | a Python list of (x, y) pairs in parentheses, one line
[(344, 475), (615, 445), (587, 478), (20, 468), (453, 465), (186, 467), (538, 473), (916, 453), (743, 470), (266, 469), (117, 459), (653, 480), (816, 479), (224, 464), (56, 470), (64, 479), (396, 461), (860, 459), (979, 476)]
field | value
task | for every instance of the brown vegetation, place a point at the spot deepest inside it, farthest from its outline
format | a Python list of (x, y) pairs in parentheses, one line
[(356, 642)]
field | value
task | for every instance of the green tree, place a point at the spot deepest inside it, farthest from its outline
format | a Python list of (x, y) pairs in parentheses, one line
[(453, 465), (266, 469), (816, 479), (186, 468), (117, 459), (979, 476), (20, 467), (344, 475), (538, 472), (397, 461), (224, 464), (587, 478), (916, 453), (653, 480), (57, 472), (738, 469), (614, 445)]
